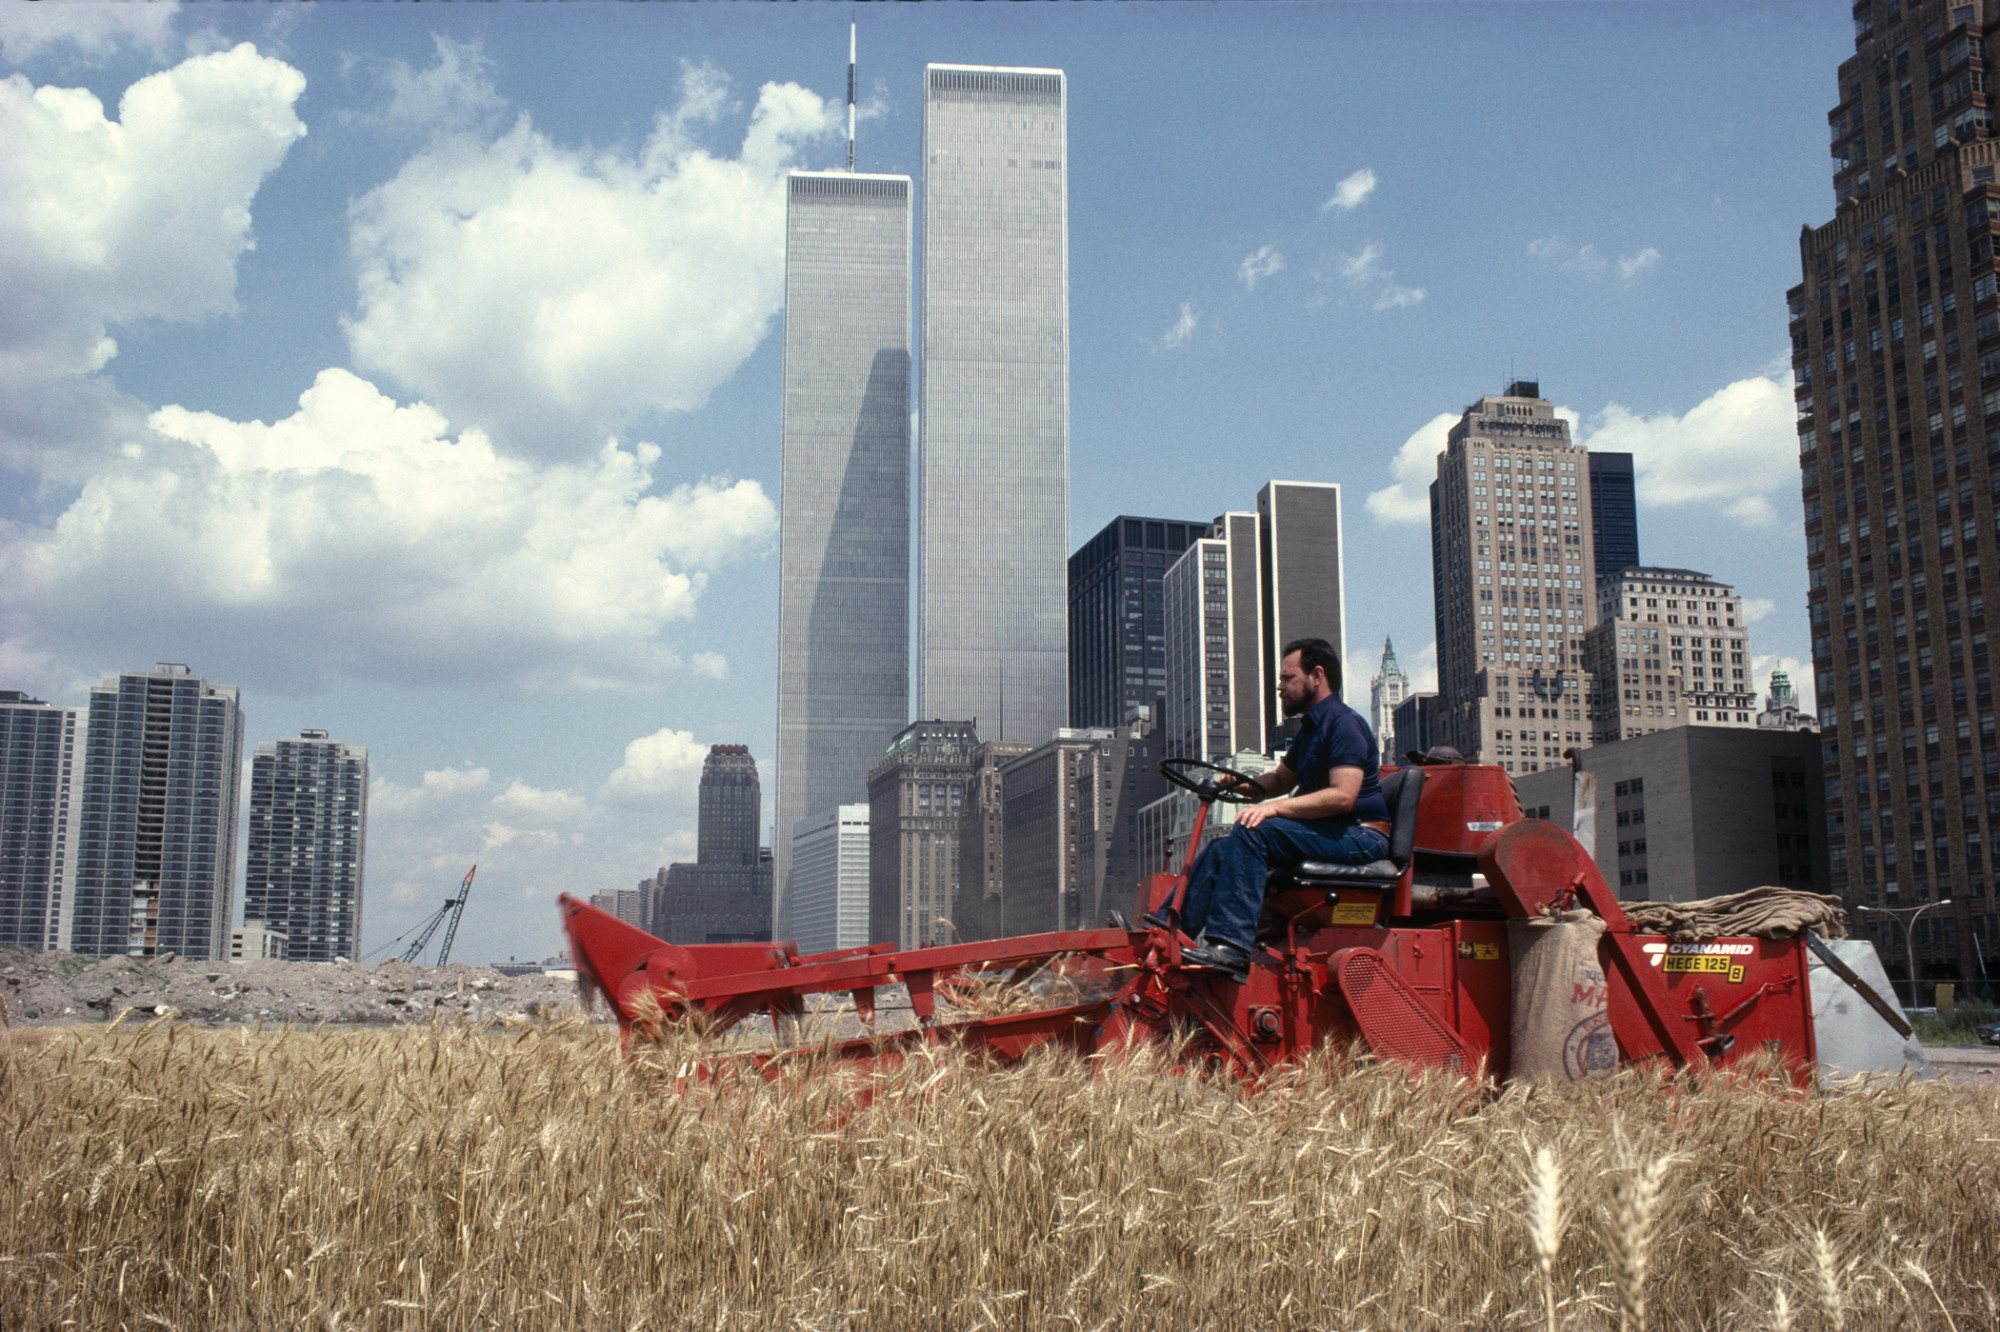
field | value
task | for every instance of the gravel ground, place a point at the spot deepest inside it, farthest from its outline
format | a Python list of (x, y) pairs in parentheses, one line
[(46, 989)]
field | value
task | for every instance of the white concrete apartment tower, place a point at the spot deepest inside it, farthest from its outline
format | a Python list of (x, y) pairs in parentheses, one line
[(844, 518), (993, 402)]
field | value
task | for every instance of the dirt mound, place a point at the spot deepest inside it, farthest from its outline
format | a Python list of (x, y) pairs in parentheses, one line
[(43, 989)]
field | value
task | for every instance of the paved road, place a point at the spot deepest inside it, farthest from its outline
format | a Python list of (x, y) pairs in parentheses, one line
[(1974, 1065)]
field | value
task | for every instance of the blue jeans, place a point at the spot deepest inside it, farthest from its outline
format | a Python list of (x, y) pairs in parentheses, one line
[(1226, 891)]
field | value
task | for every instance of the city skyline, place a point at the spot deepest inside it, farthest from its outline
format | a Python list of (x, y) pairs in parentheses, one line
[(538, 639)]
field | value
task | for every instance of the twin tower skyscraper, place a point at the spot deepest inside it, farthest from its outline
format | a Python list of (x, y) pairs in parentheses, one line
[(992, 456)]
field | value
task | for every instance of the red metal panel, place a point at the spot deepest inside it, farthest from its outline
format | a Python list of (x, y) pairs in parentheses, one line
[(1464, 806), (1483, 990)]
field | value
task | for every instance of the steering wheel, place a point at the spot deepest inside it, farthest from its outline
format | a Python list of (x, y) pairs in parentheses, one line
[(1178, 770)]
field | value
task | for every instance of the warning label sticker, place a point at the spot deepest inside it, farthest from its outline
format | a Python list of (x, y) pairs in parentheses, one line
[(1354, 913)]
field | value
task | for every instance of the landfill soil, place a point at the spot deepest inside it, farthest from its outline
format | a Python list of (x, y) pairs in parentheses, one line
[(50, 989)]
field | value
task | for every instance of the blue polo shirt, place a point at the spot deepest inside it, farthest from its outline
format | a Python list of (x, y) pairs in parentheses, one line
[(1333, 735)]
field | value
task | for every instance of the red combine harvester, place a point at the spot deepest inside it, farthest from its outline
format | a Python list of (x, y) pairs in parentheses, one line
[(1409, 956)]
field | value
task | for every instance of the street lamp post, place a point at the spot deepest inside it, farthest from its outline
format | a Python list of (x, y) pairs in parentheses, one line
[(1908, 917)]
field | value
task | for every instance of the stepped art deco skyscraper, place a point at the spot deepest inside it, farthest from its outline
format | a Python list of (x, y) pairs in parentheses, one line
[(844, 522), (1896, 355), (993, 402)]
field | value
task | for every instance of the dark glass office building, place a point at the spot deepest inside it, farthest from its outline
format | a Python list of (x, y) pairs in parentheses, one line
[(1616, 537), (1117, 617)]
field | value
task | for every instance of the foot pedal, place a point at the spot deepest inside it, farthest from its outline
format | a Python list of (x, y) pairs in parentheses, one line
[(1394, 1019)]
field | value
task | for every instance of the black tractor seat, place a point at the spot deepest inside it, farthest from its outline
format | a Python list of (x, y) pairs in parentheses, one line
[(1375, 874)]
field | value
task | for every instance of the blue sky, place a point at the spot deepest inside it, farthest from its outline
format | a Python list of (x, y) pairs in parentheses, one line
[(320, 322)]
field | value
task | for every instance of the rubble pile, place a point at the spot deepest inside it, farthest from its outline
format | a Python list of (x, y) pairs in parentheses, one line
[(43, 989)]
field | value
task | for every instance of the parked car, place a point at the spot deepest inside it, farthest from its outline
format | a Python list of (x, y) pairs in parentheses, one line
[(1988, 1034)]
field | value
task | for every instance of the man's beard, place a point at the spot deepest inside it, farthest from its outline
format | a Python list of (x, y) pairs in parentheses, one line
[(1292, 707)]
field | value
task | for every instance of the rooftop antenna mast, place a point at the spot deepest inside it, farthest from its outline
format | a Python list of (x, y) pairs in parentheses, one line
[(850, 98)]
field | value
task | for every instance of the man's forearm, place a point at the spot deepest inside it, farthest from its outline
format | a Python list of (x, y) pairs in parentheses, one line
[(1325, 803)]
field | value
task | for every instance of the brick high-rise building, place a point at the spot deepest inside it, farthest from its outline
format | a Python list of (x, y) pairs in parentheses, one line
[(993, 385), (844, 503), (1117, 617), (1669, 649), (1514, 580), (1896, 355), (308, 838)]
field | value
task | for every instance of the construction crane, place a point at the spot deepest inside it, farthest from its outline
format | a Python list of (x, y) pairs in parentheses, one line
[(454, 907)]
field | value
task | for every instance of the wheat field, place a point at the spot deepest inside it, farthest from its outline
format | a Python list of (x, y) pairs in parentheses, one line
[(456, 1177)]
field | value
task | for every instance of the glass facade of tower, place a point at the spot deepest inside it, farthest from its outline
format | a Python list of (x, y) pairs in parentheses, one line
[(308, 835), (993, 387), (844, 520), (41, 769), (1896, 356), (156, 846), (1117, 627), (1615, 512)]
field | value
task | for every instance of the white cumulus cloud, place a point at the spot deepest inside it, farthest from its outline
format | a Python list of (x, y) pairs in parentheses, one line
[(667, 762), (357, 537), (1757, 608), (1414, 467), (1258, 265), (1349, 194), (108, 221), (1734, 450), (1182, 330), (544, 292)]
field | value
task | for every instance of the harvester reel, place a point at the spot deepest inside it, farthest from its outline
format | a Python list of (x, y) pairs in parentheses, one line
[(1176, 770)]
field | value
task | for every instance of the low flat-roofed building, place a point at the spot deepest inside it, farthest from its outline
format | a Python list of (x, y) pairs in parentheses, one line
[(1698, 811)]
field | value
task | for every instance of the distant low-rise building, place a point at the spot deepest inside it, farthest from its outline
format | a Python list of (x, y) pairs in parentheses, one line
[(980, 911), (1415, 726), (829, 898), (628, 904), (251, 942), (1698, 811), (1072, 827)]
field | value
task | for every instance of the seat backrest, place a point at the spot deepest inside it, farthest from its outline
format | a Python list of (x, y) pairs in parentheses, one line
[(1402, 789)]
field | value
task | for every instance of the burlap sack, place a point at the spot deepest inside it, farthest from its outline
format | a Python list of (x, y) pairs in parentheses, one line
[(1560, 1029)]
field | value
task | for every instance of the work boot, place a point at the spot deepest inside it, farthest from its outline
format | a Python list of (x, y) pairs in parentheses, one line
[(1218, 955)]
